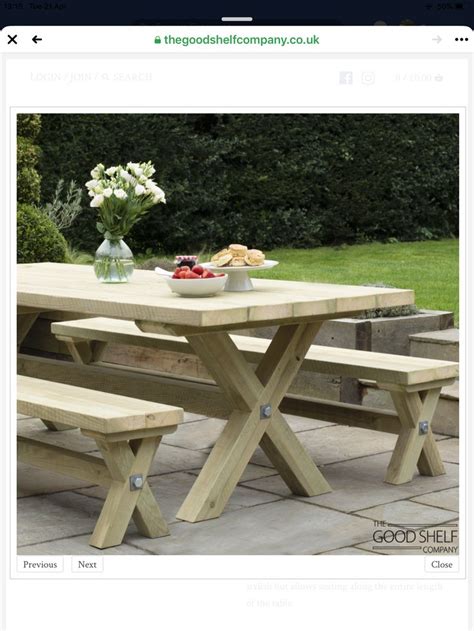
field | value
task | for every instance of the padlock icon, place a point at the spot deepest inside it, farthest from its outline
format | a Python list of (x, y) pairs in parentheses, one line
[(157, 39)]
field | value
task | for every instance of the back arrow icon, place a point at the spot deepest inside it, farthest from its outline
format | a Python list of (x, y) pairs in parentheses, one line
[(437, 39), (37, 39)]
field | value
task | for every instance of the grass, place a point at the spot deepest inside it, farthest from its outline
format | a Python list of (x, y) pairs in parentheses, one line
[(431, 268)]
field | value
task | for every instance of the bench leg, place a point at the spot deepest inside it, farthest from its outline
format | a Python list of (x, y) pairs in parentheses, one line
[(124, 460), (415, 444), (57, 427)]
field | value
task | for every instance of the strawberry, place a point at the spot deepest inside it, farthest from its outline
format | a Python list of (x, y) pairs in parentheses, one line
[(182, 274), (198, 269), (184, 268), (175, 275), (207, 274), (191, 274)]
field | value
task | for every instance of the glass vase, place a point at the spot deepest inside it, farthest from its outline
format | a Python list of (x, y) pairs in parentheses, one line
[(114, 262)]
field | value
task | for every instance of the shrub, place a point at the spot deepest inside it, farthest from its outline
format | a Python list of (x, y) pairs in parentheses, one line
[(38, 239), (28, 186), (268, 180), (28, 153), (28, 125), (64, 212)]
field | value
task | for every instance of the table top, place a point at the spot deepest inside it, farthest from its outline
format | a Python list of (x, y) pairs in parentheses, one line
[(63, 287)]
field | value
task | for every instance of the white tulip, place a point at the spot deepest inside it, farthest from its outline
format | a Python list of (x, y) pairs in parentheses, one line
[(92, 183), (125, 176), (120, 193), (108, 192), (133, 165), (97, 201), (111, 170), (139, 189), (91, 194), (159, 196), (97, 170)]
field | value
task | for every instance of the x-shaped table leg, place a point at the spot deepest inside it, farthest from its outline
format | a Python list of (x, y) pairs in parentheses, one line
[(252, 395), (123, 460)]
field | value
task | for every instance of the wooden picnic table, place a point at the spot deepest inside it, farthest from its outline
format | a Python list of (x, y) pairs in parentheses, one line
[(297, 308)]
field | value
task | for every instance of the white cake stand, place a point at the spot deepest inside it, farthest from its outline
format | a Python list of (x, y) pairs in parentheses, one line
[(239, 279)]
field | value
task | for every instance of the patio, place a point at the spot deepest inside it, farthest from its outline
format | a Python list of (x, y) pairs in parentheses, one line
[(56, 514)]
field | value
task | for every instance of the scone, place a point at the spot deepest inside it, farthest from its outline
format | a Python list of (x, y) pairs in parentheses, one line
[(217, 256), (255, 257), (237, 261), (222, 260), (237, 250)]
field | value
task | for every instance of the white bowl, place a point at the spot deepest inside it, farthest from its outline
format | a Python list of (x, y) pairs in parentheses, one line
[(197, 286)]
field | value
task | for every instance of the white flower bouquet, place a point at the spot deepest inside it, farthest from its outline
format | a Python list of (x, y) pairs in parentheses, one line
[(122, 196)]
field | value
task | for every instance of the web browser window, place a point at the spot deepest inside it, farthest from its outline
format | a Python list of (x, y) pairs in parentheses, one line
[(236, 274)]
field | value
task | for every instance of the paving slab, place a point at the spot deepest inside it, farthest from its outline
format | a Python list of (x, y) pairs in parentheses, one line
[(440, 540), (409, 514), (47, 517), (281, 527), (300, 424), (449, 450), (170, 458), (359, 483), (350, 551), (251, 472), (197, 435), (189, 417), (171, 489), (34, 481), (77, 545), (337, 443), (448, 499)]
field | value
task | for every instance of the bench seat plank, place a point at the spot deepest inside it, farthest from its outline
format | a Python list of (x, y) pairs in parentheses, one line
[(382, 367), (91, 410)]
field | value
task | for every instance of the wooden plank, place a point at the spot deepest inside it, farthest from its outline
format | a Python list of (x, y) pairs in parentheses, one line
[(196, 396), (342, 413), (63, 461), (97, 411), (61, 287), (387, 369)]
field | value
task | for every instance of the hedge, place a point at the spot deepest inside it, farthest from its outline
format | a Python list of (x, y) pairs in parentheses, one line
[(268, 180), (38, 239), (28, 154)]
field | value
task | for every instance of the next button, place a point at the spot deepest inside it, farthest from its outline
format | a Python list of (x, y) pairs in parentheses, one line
[(442, 564), (87, 564)]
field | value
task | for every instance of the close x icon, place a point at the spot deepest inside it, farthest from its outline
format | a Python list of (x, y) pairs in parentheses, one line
[(12, 39)]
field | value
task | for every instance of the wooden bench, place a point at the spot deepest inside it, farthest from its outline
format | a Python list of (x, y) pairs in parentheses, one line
[(414, 384), (127, 432)]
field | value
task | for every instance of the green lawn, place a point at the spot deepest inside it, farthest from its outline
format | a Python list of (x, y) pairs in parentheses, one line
[(431, 268)]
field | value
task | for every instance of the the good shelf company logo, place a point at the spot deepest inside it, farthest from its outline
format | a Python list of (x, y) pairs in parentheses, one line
[(416, 538)]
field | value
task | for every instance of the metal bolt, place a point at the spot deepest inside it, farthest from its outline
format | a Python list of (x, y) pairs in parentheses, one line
[(265, 411), (136, 482), (424, 427)]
